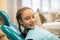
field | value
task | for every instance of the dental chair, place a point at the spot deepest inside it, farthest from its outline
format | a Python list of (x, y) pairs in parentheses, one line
[(10, 29)]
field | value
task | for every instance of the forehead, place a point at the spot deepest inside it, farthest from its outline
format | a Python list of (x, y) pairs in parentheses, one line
[(27, 12)]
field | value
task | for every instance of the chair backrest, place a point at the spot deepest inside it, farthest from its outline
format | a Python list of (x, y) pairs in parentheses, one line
[(10, 29), (5, 17), (11, 33), (7, 20)]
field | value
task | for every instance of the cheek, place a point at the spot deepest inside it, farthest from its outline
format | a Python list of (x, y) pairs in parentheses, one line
[(26, 22), (35, 20)]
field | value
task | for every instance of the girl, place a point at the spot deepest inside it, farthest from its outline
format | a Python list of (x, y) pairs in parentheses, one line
[(29, 30)]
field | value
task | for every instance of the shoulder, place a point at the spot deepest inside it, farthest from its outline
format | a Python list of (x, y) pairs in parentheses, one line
[(46, 34), (35, 34), (40, 34)]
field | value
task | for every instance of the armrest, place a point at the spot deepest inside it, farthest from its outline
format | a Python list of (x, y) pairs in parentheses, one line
[(11, 33)]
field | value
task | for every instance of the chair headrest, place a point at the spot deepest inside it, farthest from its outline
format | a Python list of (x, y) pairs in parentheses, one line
[(5, 17)]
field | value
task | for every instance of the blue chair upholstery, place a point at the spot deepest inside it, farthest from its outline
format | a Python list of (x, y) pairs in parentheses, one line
[(10, 29), (5, 17), (11, 33), (7, 21)]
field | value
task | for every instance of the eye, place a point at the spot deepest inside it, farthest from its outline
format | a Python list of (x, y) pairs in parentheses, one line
[(27, 18), (32, 16)]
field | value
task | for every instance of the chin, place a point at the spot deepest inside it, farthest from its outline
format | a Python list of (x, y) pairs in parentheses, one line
[(31, 27)]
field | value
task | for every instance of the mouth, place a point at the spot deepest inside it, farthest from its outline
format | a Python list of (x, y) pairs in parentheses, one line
[(32, 25)]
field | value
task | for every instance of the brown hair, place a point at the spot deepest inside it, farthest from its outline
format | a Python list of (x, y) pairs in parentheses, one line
[(19, 17), (42, 18)]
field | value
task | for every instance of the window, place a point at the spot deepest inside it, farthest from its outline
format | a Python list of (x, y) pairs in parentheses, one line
[(36, 4), (43, 5), (54, 4), (26, 3)]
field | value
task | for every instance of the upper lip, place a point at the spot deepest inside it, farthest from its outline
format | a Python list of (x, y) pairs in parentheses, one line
[(32, 24)]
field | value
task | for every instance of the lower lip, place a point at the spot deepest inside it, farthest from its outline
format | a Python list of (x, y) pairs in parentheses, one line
[(32, 24)]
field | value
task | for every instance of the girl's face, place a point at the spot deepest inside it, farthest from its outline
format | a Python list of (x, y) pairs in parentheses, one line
[(28, 19)]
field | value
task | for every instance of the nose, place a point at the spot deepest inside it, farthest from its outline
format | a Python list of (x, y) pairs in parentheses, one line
[(32, 20)]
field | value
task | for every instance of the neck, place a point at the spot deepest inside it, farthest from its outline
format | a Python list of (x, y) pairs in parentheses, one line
[(26, 31)]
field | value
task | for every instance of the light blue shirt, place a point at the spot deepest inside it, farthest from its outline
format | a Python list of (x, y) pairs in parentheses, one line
[(40, 34)]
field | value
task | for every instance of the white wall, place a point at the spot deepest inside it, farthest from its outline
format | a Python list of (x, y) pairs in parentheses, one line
[(3, 5)]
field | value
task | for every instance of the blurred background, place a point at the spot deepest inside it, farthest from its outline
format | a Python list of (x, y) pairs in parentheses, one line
[(47, 12)]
